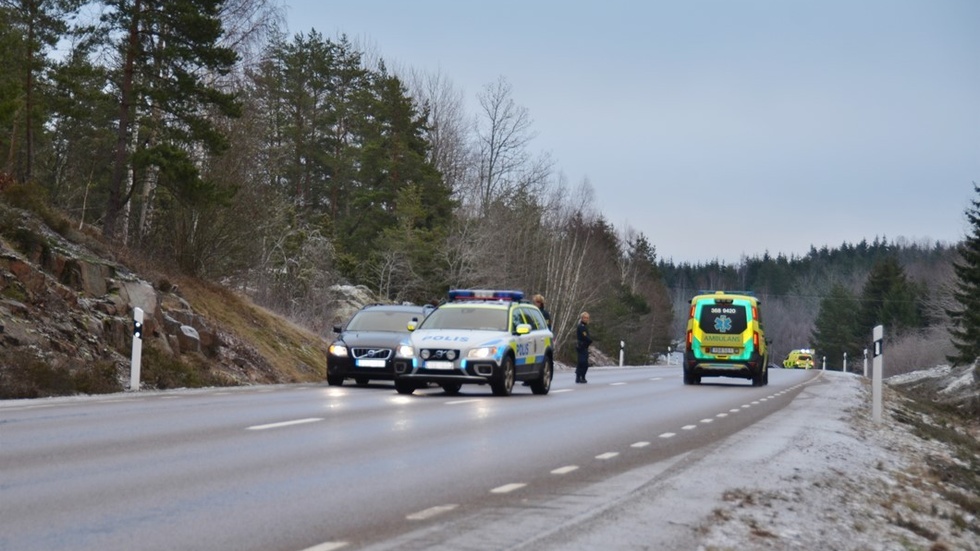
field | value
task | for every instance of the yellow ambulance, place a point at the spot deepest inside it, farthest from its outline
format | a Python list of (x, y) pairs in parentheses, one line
[(725, 338)]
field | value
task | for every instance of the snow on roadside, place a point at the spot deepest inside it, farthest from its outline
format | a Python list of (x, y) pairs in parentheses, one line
[(846, 483)]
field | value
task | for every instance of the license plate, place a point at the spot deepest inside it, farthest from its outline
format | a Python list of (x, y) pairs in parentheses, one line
[(438, 365), (368, 362), (722, 350)]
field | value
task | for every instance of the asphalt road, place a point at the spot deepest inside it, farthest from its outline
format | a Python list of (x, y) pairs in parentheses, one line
[(312, 467)]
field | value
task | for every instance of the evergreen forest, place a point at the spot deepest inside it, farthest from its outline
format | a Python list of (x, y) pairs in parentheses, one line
[(202, 136)]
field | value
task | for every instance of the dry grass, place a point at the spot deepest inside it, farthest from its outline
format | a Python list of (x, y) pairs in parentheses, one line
[(296, 353)]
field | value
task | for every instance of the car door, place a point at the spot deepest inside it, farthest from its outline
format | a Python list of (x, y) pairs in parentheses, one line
[(525, 343)]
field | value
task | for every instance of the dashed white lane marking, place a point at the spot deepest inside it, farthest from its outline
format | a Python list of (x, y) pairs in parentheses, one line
[(556, 391), (431, 512), (656, 378), (469, 401), (507, 488), (565, 470), (639, 444), (689, 427), (722, 415), (667, 435), (707, 420), (327, 546), (607, 455), (746, 406), (733, 410), (617, 384), (286, 423), (755, 403)]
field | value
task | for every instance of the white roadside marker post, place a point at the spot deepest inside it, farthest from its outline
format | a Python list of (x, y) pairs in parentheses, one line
[(622, 346), (876, 368), (865, 363), (134, 370)]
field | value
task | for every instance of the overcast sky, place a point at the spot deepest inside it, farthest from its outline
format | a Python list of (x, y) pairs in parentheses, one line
[(720, 128)]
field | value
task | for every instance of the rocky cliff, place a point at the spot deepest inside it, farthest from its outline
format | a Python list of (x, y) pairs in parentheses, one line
[(66, 322)]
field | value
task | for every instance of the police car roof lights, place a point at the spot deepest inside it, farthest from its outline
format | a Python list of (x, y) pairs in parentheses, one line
[(458, 295)]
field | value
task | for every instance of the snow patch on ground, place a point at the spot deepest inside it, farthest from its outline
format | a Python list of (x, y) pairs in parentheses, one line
[(846, 483)]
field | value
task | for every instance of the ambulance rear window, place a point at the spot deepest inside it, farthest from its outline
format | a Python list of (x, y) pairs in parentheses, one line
[(722, 318)]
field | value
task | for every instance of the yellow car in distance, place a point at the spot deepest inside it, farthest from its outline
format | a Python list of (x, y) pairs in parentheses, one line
[(801, 358)]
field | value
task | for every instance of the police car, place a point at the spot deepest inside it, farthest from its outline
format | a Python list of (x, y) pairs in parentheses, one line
[(484, 337)]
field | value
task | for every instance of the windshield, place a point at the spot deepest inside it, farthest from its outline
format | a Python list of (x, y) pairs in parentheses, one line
[(382, 320), (479, 319), (722, 318)]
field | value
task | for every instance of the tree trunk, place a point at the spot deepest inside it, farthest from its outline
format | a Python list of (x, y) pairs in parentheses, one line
[(117, 192)]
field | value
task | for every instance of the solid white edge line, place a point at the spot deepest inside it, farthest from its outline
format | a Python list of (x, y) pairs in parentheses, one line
[(285, 423), (469, 401)]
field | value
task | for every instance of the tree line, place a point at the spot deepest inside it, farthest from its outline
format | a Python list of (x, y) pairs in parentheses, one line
[(204, 137)]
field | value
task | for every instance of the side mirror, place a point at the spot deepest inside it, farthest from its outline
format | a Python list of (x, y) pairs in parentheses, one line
[(337, 329)]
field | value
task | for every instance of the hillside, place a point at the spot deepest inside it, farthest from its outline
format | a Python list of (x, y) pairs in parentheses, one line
[(66, 317)]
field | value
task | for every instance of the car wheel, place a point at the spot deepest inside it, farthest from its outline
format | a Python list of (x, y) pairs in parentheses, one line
[(404, 387), (335, 380), (765, 377), (452, 388), (503, 382), (690, 378), (757, 378), (543, 385), (362, 380)]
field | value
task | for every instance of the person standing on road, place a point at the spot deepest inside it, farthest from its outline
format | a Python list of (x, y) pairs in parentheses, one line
[(539, 302), (583, 340)]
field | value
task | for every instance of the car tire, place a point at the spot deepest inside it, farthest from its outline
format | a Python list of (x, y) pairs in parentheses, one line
[(503, 380), (757, 378), (543, 385), (335, 380), (451, 388), (362, 380), (404, 387), (690, 378)]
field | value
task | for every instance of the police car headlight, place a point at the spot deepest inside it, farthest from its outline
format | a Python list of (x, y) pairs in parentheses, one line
[(338, 350), (405, 351), (481, 353)]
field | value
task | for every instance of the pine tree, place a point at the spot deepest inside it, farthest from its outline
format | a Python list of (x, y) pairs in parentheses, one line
[(966, 318), (889, 298), (835, 327), (170, 59)]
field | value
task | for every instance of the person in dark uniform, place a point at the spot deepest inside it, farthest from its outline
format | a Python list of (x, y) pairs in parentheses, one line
[(583, 340), (539, 302)]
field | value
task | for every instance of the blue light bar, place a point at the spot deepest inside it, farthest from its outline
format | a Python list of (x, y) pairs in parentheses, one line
[(457, 295)]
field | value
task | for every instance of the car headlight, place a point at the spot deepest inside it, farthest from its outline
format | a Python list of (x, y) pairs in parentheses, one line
[(338, 350), (405, 351), (481, 353)]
